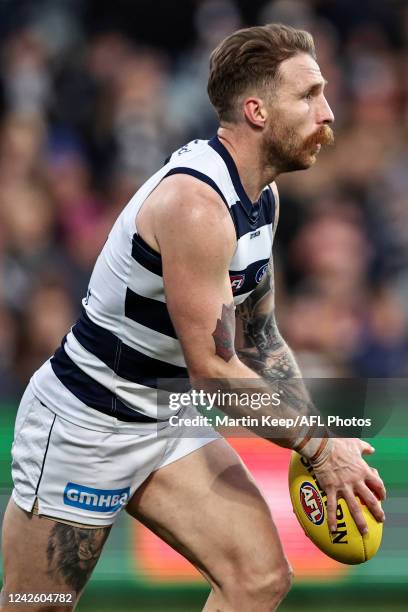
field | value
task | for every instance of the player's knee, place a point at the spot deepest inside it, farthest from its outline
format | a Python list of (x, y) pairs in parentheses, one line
[(265, 585), (271, 584), (284, 579)]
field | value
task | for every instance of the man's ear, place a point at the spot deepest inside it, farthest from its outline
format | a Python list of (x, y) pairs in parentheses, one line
[(255, 111)]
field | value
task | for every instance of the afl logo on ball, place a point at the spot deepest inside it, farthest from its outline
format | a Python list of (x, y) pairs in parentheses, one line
[(261, 272), (312, 503)]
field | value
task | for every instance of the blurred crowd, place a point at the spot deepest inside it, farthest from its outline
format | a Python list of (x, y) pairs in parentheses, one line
[(88, 114)]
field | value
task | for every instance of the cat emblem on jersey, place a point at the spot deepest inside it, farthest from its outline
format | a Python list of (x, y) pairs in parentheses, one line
[(183, 149), (261, 273)]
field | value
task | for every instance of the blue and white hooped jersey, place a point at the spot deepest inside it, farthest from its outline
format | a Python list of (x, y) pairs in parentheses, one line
[(110, 362)]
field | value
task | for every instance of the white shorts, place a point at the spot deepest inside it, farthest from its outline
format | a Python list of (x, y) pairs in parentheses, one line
[(85, 476)]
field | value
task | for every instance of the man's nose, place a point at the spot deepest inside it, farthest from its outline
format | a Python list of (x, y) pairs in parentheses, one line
[(325, 112)]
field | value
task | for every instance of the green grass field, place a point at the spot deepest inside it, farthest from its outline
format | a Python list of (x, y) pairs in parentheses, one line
[(379, 606), (390, 599), (299, 606)]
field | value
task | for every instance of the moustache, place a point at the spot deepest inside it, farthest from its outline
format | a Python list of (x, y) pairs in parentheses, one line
[(323, 136)]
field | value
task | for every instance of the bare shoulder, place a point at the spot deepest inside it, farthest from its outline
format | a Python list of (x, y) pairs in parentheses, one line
[(188, 209), (188, 195)]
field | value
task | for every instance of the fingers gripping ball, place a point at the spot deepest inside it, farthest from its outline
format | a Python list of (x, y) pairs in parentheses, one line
[(346, 544)]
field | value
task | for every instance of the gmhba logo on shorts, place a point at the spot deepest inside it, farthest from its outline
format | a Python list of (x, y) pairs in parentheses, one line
[(312, 503), (96, 500)]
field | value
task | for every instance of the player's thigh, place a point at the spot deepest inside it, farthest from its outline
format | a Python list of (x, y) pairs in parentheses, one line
[(208, 507), (41, 555)]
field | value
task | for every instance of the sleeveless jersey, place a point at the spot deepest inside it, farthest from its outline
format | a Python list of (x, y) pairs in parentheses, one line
[(124, 342)]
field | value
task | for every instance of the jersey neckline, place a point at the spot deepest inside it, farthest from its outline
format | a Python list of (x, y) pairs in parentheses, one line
[(251, 209)]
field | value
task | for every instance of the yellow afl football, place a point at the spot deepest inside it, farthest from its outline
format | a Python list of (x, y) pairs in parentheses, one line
[(346, 544)]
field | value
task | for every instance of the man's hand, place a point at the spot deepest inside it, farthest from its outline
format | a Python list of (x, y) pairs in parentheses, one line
[(342, 472)]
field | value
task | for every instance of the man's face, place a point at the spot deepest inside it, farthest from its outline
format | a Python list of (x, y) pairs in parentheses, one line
[(299, 116)]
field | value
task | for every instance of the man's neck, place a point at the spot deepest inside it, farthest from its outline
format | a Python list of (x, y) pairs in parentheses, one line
[(246, 152)]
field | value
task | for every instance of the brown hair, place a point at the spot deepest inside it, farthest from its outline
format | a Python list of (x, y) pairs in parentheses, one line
[(251, 58)]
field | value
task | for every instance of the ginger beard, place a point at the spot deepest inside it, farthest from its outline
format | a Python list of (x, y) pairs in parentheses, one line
[(285, 150)]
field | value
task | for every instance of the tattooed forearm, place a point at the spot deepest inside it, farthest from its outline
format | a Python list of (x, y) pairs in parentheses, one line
[(282, 365), (263, 332), (257, 318), (73, 552), (224, 333), (277, 365), (262, 347), (259, 346)]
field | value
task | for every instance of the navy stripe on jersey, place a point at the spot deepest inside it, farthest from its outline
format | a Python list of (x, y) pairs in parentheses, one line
[(146, 256), (248, 279), (252, 210), (124, 360), (266, 215), (90, 392), (150, 313)]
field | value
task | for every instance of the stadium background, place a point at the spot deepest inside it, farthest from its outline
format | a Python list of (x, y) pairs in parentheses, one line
[(93, 97)]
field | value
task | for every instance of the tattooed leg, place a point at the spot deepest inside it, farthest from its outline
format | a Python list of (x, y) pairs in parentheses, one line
[(41, 555), (73, 552)]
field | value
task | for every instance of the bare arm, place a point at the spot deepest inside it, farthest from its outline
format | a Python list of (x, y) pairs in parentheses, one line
[(196, 238), (259, 344), (261, 347)]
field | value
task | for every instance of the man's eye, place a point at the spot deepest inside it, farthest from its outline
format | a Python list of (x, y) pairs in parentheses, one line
[(308, 96)]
